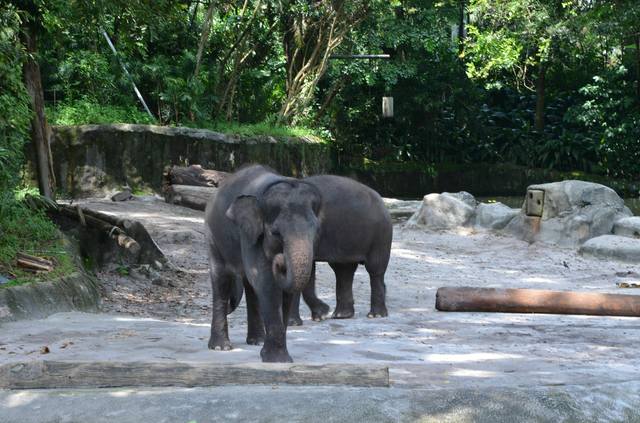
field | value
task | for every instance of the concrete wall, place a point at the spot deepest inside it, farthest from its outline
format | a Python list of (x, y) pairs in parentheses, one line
[(96, 159)]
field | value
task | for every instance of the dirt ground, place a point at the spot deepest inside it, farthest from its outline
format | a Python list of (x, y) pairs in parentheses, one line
[(169, 319)]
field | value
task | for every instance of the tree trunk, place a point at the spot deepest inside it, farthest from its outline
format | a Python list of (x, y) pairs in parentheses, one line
[(638, 67), (461, 29), (206, 28), (539, 119), (40, 131)]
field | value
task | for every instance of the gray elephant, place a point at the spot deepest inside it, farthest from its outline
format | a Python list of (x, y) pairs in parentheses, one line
[(355, 228), (264, 231)]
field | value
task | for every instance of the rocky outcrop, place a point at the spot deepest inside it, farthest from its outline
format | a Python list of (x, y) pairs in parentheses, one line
[(572, 212), (91, 160), (450, 211)]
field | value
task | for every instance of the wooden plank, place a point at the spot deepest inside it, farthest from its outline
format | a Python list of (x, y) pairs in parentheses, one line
[(496, 300), (62, 374)]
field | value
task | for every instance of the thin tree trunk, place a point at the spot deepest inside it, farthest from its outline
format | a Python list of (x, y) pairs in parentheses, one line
[(206, 28), (40, 131), (540, 87), (461, 29), (638, 66)]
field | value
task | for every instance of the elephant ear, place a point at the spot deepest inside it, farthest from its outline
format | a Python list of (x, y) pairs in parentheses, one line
[(245, 213)]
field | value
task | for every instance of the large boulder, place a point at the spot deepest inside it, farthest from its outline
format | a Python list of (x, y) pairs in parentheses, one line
[(572, 212), (612, 247), (494, 215), (444, 211)]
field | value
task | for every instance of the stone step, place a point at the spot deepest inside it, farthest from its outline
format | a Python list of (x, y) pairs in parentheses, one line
[(613, 247)]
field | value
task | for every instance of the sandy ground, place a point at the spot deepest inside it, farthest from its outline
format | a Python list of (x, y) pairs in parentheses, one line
[(423, 347)]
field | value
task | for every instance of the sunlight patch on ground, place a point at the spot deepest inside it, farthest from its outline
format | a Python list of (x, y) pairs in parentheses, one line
[(472, 373), (20, 399), (468, 358), (340, 342), (536, 279)]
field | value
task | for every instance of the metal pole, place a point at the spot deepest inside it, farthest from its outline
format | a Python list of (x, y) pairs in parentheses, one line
[(124, 68), (360, 56)]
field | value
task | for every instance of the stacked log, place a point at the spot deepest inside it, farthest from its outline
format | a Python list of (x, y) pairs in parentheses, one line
[(34, 264), (190, 186)]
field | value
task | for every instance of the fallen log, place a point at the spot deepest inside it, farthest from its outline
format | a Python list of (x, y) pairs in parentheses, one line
[(193, 175), (33, 263), (58, 374), (114, 231), (496, 300), (189, 196)]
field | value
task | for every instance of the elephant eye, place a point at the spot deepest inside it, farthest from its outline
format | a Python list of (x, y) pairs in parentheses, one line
[(275, 232)]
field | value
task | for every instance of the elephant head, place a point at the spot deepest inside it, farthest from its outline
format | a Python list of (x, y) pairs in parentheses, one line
[(283, 221)]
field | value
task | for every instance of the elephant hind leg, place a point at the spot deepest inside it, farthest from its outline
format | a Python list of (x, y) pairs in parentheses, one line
[(344, 289), (221, 285)]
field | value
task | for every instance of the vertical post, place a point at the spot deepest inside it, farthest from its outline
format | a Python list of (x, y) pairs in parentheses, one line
[(126, 72)]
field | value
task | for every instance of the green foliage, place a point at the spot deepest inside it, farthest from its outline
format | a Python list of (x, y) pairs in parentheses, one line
[(14, 102), (85, 111), (23, 229)]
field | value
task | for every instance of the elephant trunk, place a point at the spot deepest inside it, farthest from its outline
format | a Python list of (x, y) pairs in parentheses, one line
[(292, 269)]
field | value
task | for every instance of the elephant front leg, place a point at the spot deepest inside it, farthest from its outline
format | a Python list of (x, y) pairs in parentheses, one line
[(319, 309), (220, 287), (294, 311), (255, 326), (344, 289), (274, 349)]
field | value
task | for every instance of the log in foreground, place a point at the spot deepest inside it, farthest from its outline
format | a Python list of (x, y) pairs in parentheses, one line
[(536, 301), (59, 374)]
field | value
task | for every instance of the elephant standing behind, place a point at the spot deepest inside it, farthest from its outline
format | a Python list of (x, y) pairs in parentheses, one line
[(355, 228)]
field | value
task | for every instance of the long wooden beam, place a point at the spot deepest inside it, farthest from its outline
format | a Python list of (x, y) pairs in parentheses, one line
[(63, 374), (496, 300)]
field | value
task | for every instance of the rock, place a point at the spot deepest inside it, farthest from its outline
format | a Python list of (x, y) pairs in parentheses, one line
[(627, 226), (494, 215), (4, 279), (573, 212), (124, 195), (444, 211), (612, 247), (401, 209)]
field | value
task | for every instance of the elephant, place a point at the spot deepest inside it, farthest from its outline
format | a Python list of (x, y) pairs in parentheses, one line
[(260, 229), (355, 228)]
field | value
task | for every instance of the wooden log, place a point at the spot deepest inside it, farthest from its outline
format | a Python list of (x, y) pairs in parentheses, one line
[(62, 374), (112, 230), (496, 300), (189, 196), (194, 175), (35, 259)]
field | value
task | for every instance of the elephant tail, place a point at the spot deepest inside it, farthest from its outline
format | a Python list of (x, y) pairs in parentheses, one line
[(235, 295)]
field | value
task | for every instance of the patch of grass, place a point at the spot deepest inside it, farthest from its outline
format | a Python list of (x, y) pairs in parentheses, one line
[(30, 231), (257, 129), (86, 111)]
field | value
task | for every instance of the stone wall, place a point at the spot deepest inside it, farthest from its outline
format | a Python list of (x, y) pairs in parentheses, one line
[(96, 159)]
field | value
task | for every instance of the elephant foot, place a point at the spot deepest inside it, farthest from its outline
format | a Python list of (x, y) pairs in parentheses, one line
[(343, 312), (275, 356), (255, 339), (219, 343), (320, 312), (379, 311), (294, 321)]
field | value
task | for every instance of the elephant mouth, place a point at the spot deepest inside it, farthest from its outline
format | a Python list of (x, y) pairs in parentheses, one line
[(279, 269)]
